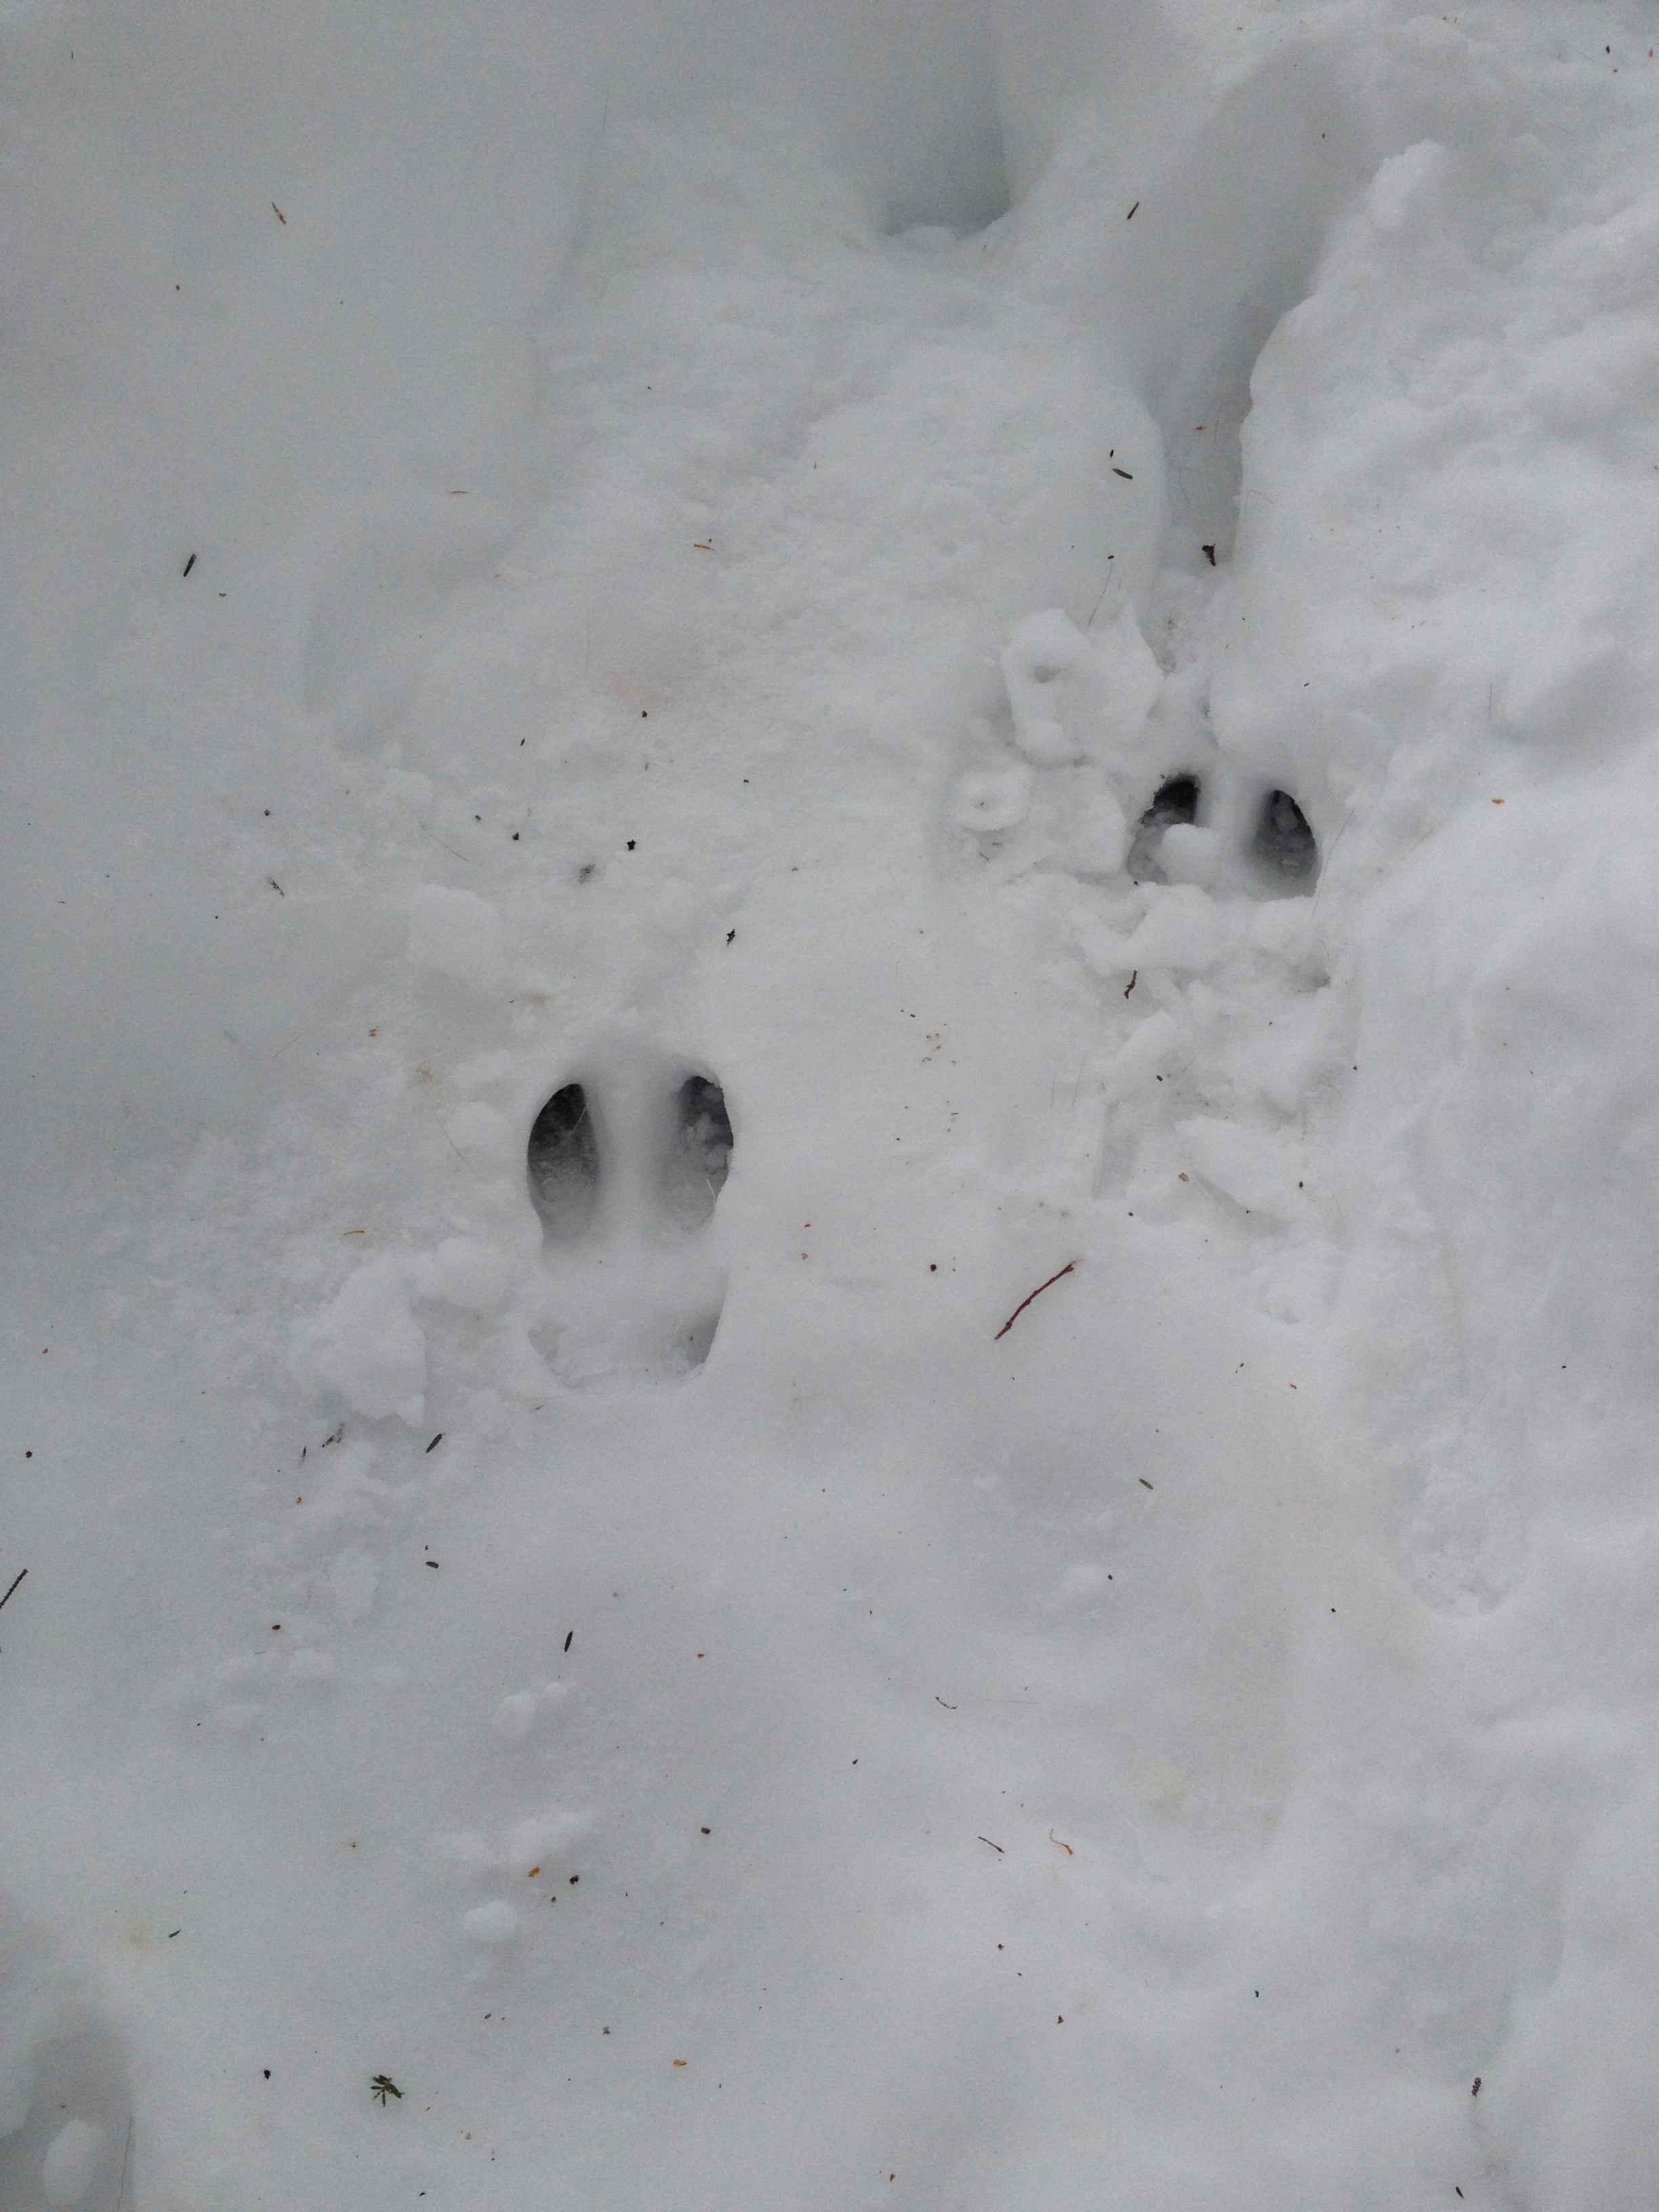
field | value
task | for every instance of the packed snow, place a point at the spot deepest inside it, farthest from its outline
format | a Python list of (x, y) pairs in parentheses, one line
[(833, 943)]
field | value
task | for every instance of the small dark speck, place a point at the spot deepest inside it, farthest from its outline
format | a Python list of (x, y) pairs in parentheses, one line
[(267, 2072), (432, 1563), (574, 1878), (707, 1832), (171, 1932), (630, 844), (730, 935), (190, 564), (436, 1441)]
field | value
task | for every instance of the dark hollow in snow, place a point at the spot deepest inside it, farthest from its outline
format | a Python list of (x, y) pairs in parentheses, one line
[(1172, 802), (563, 1163), (701, 1154), (1283, 844)]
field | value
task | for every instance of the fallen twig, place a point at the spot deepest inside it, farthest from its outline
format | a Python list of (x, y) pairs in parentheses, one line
[(14, 1586), (1024, 1302)]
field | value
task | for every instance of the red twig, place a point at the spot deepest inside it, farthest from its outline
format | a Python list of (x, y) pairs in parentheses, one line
[(1024, 1302)]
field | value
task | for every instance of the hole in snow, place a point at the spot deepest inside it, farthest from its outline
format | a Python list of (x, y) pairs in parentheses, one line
[(921, 126), (563, 1163), (1284, 846), (1243, 215), (701, 1154), (954, 187), (1174, 801)]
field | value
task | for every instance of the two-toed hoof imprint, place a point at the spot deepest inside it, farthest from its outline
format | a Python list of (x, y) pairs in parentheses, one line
[(624, 1168), (603, 1157), (1263, 835)]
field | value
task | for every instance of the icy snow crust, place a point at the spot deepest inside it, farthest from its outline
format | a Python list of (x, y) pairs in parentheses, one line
[(996, 643)]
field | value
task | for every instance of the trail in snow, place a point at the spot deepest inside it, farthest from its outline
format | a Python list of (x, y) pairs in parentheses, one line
[(951, 674)]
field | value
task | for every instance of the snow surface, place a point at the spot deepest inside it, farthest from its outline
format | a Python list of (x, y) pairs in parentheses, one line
[(674, 549)]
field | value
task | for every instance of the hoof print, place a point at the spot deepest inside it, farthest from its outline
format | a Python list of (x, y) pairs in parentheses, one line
[(624, 1171), (563, 1164), (1266, 848)]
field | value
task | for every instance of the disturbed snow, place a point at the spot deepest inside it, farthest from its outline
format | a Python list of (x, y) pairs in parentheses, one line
[(828, 674)]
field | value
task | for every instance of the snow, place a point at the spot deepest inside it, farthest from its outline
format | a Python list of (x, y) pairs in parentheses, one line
[(72, 2163), (990, 648)]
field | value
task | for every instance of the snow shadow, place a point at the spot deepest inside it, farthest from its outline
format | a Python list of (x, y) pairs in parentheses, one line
[(65, 2112), (380, 588)]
